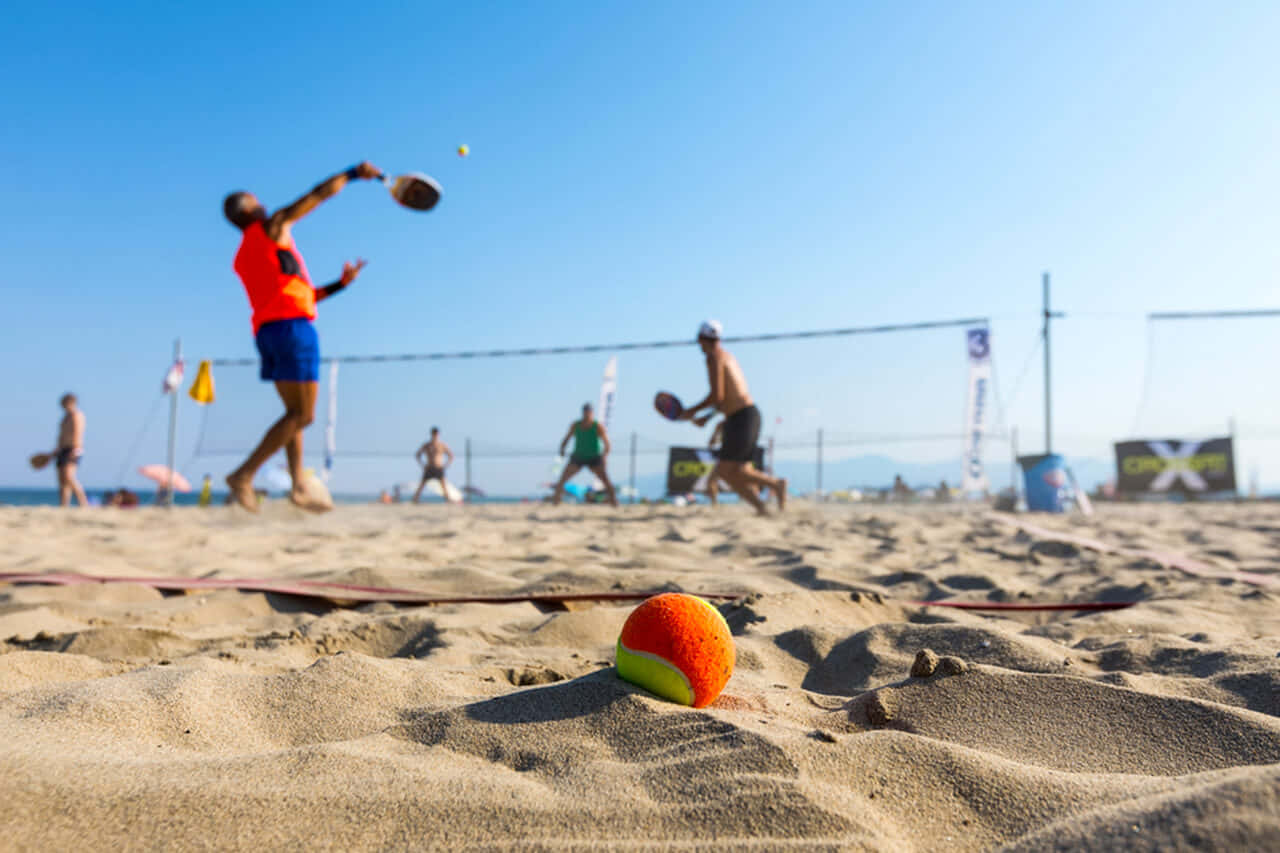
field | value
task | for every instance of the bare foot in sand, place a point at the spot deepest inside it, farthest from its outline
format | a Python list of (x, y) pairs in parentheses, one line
[(242, 492), (303, 499), (782, 495)]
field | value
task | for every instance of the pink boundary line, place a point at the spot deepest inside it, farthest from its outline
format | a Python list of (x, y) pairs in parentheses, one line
[(1168, 559), (340, 592)]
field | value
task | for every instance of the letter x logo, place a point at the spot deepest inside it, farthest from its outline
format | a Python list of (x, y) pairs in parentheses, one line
[(1176, 467)]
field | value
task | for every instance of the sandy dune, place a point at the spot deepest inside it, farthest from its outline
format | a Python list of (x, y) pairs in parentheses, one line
[(135, 719)]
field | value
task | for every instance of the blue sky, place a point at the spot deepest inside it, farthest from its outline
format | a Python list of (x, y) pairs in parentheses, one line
[(635, 168)]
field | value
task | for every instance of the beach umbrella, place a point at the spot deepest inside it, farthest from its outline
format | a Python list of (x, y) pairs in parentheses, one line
[(160, 475)]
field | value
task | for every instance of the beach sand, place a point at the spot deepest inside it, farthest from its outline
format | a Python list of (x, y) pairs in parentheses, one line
[(223, 719)]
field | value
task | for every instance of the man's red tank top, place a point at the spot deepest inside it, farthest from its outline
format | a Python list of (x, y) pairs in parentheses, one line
[(275, 278)]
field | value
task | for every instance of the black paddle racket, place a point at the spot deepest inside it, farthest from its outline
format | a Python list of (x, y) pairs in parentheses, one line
[(414, 190), (668, 405)]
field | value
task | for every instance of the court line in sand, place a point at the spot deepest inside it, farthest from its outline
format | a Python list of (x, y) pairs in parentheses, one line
[(340, 593)]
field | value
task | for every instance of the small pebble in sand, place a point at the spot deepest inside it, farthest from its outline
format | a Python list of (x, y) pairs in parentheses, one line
[(881, 707), (986, 644), (952, 665), (925, 663)]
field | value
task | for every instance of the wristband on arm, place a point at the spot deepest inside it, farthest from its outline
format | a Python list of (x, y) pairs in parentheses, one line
[(330, 289), (353, 174)]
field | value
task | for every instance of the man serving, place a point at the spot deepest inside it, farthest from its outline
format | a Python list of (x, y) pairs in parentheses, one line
[(284, 308)]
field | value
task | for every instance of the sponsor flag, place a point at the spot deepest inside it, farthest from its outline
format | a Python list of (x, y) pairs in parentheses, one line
[(608, 393), (974, 478)]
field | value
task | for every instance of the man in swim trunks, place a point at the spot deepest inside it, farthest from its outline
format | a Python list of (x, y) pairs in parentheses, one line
[(432, 457), (729, 395), (69, 452), (590, 447), (284, 306)]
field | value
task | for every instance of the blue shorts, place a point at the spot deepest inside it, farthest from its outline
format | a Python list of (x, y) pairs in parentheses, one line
[(290, 351)]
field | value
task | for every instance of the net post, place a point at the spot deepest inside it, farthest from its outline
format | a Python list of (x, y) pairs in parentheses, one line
[(819, 491), (1048, 384), (632, 479), (1231, 433), (173, 427), (1013, 469)]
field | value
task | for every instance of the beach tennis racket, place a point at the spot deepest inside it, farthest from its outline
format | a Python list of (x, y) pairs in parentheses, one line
[(668, 405), (414, 190), (39, 460)]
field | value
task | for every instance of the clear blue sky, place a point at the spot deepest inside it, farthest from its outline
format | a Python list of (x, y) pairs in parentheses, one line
[(635, 168)]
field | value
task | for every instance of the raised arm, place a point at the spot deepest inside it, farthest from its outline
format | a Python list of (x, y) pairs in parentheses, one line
[(278, 223), (349, 273)]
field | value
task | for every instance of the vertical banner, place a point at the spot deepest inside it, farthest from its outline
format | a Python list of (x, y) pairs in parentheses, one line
[(975, 410), (608, 393), (331, 422)]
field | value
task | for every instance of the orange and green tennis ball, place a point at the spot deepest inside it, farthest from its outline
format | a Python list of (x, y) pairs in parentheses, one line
[(678, 647)]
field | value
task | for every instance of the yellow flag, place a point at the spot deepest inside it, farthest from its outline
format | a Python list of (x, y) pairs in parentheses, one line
[(202, 389)]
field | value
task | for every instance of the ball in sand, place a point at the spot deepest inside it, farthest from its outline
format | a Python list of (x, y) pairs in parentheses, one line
[(464, 150), (678, 647)]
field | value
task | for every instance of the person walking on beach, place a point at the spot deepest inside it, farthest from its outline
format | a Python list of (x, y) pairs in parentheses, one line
[(434, 457), (590, 448), (284, 308), (69, 451), (729, 394)]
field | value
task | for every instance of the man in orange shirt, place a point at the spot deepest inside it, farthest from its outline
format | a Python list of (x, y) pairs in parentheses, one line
[(284, 308)]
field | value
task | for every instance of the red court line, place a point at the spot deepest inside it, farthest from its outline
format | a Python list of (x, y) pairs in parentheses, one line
[(344, 592), (336, 591)]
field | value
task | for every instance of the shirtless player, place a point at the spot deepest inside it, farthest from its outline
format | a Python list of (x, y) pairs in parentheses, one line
[(284, 308), (70, 449), (432, 457), (729, 395)]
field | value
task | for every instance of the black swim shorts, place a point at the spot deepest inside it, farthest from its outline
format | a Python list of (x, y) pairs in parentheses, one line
[(67, 456), (741, 433)]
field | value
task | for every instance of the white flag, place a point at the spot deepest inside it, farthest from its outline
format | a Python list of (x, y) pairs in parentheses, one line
[(608, 392), (975, 411)]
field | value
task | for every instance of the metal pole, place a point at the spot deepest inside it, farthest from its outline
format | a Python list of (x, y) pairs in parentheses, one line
[(632, 479), (1048, 387), (819, 462), (1013, 471), (467, 451), (1231, 434), (173, 426)]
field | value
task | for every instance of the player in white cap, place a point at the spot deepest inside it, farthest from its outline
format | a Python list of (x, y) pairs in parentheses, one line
[(729, 395)]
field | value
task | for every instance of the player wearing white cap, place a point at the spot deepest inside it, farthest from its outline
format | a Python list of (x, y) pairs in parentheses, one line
[(729, 395)]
